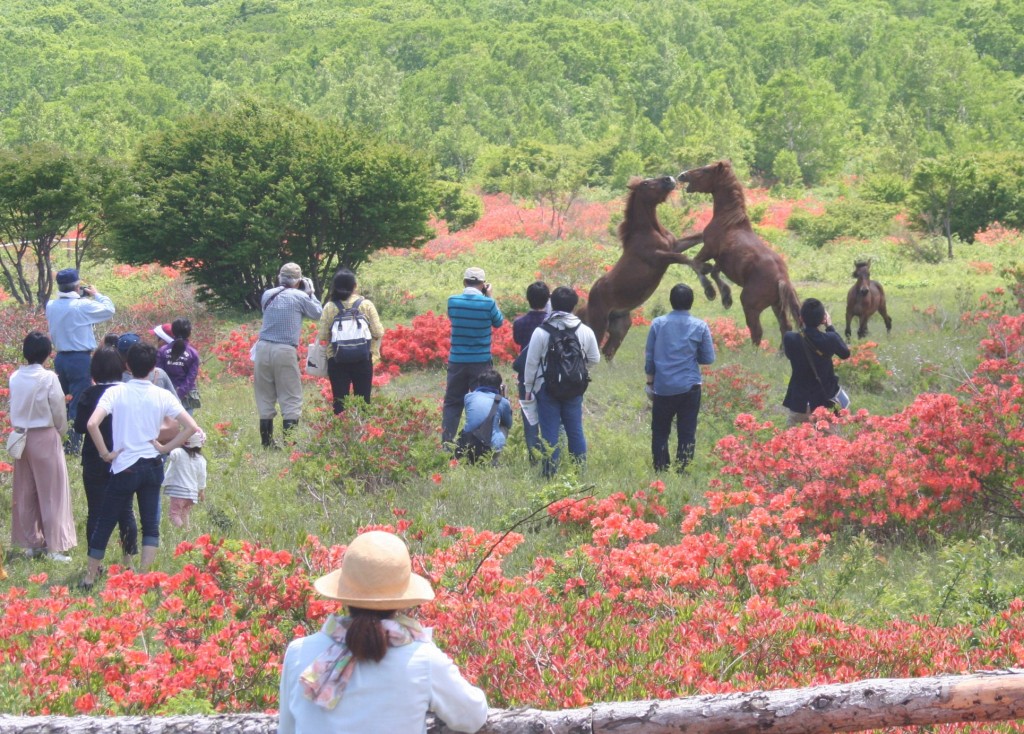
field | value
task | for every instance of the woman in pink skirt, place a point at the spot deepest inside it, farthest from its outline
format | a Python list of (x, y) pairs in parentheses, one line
[(41, 520)]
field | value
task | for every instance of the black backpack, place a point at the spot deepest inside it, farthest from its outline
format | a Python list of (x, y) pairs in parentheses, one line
[(350, 335), (565, 366)]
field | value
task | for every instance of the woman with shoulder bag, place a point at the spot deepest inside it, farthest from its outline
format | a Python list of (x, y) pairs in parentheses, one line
[(41, 519), (350, 366), (813, 383)]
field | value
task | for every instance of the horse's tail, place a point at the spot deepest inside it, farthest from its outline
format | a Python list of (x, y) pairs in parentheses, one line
[(789, 299)]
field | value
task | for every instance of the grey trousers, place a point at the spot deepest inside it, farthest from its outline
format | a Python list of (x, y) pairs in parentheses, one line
[(277, 379)]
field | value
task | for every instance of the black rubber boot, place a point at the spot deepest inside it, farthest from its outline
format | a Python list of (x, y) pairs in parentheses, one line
[(289, 429), (267, 433)]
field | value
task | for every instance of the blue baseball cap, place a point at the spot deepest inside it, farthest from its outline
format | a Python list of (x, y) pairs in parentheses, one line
[(127, 341), (68, 276)]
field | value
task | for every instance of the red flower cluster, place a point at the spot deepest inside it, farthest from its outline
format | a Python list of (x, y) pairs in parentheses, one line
[(427, 341)]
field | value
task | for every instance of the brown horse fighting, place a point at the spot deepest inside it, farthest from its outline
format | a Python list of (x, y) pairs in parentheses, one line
[(865, 297), (738, 252), (646, 254)]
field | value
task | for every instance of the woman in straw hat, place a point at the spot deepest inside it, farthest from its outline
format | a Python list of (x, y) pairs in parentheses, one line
[(375, 670)]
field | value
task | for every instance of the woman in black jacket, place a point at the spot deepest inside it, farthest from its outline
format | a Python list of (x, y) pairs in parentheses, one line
[(813, 383), (105, 369)]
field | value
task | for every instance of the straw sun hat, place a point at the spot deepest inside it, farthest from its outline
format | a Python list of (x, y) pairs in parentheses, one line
[(376, 573)]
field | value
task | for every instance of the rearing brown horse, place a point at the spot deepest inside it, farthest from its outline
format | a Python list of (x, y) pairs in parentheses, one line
[(646, 254), (738, 252)]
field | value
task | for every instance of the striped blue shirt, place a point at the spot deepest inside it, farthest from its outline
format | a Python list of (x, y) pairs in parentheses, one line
[(472, 315)]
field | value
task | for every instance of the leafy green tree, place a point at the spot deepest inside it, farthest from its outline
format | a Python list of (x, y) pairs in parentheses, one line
[(805, 115), (233, 195), (551, 175), (936, 191), (44, 193), (960, 195)]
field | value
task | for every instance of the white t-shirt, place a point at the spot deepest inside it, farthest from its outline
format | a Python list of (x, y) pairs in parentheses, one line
[(138, 409)]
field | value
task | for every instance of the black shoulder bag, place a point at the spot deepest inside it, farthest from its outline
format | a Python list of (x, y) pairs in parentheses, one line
[(473, 444), (840, 400)]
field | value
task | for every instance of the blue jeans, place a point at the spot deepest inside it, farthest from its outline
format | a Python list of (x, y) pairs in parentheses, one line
[(561, 414), (683, 408), (141, 479), (72, 370), (95, 478)]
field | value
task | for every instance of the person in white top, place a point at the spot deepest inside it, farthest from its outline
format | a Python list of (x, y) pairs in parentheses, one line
[(41, 519), (185, 479), (138, 409), (375, 671)]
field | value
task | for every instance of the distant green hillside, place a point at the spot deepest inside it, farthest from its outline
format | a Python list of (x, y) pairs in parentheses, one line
[(843, 86)]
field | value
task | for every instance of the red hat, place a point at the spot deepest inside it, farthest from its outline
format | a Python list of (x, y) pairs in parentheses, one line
[(163, 331)]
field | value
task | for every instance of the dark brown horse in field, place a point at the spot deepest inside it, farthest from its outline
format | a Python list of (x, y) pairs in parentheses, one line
[(647, 251), (866, 296), (740, 254)]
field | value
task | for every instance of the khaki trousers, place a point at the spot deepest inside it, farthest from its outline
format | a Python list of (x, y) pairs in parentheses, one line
[(277, 379), (41, 511)]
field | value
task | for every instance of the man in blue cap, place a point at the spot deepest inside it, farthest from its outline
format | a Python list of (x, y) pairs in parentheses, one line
[(71, 316)]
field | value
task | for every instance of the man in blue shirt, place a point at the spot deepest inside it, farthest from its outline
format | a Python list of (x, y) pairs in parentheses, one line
[(472, 313), (677, 345), (71, 318)]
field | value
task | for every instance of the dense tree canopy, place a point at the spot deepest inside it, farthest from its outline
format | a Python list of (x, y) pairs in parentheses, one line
[(847, 86), (234, 195), (44, 193)]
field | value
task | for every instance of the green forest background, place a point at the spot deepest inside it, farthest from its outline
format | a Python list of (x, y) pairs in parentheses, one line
[(791, 91)]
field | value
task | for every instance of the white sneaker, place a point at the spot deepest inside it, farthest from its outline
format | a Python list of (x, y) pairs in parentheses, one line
[(59, 557)]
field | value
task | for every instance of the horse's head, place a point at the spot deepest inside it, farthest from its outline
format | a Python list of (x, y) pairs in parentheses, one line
[(862, 274), (706, 179), (651, 190)]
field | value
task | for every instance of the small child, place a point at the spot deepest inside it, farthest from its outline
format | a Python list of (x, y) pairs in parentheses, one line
[(185, 478), (488, 418)]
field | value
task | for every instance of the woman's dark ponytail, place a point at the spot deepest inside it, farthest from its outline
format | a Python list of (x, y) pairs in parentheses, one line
[(365, 638), (181, 330)]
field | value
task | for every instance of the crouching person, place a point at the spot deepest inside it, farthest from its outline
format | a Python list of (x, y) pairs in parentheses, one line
[(138, 409), (488, 419)]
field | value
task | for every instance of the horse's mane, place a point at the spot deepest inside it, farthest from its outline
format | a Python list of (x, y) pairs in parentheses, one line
[(736, 214), (628, 218)]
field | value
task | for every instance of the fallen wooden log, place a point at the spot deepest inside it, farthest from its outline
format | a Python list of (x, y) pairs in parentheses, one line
[(868, 704)]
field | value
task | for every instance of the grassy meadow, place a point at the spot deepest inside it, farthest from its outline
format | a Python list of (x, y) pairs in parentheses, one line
[(255, 495), (964, 574)]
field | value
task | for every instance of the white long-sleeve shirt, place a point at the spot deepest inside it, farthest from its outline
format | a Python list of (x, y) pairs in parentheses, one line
[(37, 400), (389, 697)]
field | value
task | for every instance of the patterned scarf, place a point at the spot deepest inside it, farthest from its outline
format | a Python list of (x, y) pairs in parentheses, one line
[(324, 681)]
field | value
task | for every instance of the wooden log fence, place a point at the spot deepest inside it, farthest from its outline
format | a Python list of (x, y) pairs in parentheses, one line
[(846, 707)]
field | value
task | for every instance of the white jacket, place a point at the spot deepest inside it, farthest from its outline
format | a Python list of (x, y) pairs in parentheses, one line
[(389, 697), (533, 375)]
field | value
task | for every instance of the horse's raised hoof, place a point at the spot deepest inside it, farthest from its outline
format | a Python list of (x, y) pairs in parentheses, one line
[(709, 292), (726, 300)]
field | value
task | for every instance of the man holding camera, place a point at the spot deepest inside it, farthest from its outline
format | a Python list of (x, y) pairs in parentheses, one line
[(71, 317), (472, 313), (275, 356)]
